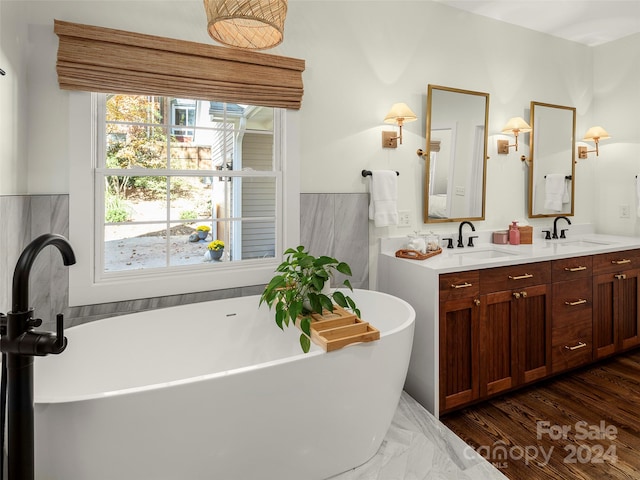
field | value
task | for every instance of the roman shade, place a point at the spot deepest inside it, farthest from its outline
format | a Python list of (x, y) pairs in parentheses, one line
[(97, 59)]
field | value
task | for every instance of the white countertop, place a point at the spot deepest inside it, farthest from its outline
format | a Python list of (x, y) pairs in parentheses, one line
[(580, 241)]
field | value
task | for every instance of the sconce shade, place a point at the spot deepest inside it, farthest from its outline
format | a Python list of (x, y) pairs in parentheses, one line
[(251, 24), (516, 125), (400, 113), (596, 133)]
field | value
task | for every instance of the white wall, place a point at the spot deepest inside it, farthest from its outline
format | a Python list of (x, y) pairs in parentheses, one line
[(361, 57), (616, 106)]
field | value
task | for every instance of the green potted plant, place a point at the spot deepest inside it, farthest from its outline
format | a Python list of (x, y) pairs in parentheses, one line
[(298, 290)]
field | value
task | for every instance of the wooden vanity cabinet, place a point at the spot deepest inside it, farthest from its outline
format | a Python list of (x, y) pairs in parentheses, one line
[(459, 330), (616, 317), (509, 326), (515, 326), (495, 331), (572, 337)]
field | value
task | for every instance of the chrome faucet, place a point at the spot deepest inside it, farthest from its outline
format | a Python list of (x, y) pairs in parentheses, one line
[(460, 242), (555, 227), (19, 344)]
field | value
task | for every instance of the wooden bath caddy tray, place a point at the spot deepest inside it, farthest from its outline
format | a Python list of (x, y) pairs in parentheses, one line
[(334, 330), (416, 255)]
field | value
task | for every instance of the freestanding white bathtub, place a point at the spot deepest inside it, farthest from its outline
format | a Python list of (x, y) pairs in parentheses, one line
[(217, 391)]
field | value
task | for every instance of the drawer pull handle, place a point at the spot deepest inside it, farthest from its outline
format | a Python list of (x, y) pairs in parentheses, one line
[(575, 269), (521, 277), (621, 262), (581, 301), (516, 294), (462, 285), (620, 276), (575, 347), (476, 302)]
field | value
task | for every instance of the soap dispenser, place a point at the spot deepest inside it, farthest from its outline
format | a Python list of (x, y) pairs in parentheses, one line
[(514, 234)]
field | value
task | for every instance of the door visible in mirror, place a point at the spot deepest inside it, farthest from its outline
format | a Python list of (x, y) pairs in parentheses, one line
[(551, 160), (456, 154)]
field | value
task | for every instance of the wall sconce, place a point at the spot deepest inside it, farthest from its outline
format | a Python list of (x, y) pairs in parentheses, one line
[(594, 134), (399, 114), (514, 126)]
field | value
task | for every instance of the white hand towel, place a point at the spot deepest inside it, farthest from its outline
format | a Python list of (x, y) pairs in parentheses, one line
[(384, 194), (553, 191), (638, 196)]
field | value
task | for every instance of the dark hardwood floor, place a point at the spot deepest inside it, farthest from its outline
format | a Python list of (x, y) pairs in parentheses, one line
[(582, 425)]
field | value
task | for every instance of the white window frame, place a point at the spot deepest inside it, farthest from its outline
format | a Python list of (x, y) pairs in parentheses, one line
[(87, 286)]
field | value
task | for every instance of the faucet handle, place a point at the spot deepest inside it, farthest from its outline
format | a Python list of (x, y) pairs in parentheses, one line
[(34, 322), (547, 235), (562, 235), (470, 244), (449, 242), (61, 341)]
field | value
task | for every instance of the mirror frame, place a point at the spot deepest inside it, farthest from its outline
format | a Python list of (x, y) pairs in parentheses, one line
[(427, 155), (532, 159)]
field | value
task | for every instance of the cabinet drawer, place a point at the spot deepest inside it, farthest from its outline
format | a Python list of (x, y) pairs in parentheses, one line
[(571, 268), (459, 285), (572, 343), (570, 299), (616, 261), (514, 276)]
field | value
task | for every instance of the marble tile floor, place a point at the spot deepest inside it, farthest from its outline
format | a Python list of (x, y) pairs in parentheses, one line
[(419, 447)]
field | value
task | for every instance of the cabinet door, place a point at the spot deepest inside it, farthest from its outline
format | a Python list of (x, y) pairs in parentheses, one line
[(497, 343), (458, 352), (628, 315), (616, 317), (534, 333)]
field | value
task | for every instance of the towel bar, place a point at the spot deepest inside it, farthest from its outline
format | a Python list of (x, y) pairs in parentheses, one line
[(368, 173)]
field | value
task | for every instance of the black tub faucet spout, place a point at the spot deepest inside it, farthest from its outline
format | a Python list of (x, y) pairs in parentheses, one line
[(22, 272)]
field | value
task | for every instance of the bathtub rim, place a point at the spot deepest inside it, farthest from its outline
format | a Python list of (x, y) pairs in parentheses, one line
[(314, 351)]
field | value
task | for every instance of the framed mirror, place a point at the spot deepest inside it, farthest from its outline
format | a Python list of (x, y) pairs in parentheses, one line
[(455, 159), (551, 160)]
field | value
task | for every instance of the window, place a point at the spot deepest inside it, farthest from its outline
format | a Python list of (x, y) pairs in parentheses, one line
[(152, 191), (164, 199), (183, 113)]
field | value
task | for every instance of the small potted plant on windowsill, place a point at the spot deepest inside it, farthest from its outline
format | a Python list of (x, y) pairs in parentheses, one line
[(301, 289)]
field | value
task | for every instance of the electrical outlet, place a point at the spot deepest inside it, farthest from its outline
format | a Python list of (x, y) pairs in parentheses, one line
[(624, 211), (460, 191), (404, 218)]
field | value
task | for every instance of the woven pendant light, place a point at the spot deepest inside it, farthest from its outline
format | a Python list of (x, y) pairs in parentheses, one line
[(252, 24)]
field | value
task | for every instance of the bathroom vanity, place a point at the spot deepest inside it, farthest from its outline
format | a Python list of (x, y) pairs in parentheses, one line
[(494, 318)]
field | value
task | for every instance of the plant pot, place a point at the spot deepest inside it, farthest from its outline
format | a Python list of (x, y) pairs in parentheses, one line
[(326, 290), (214, 254), (202, 235)]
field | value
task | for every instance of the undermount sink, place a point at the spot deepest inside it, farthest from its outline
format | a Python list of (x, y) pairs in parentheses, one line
[(580, 243), (471, 254)]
